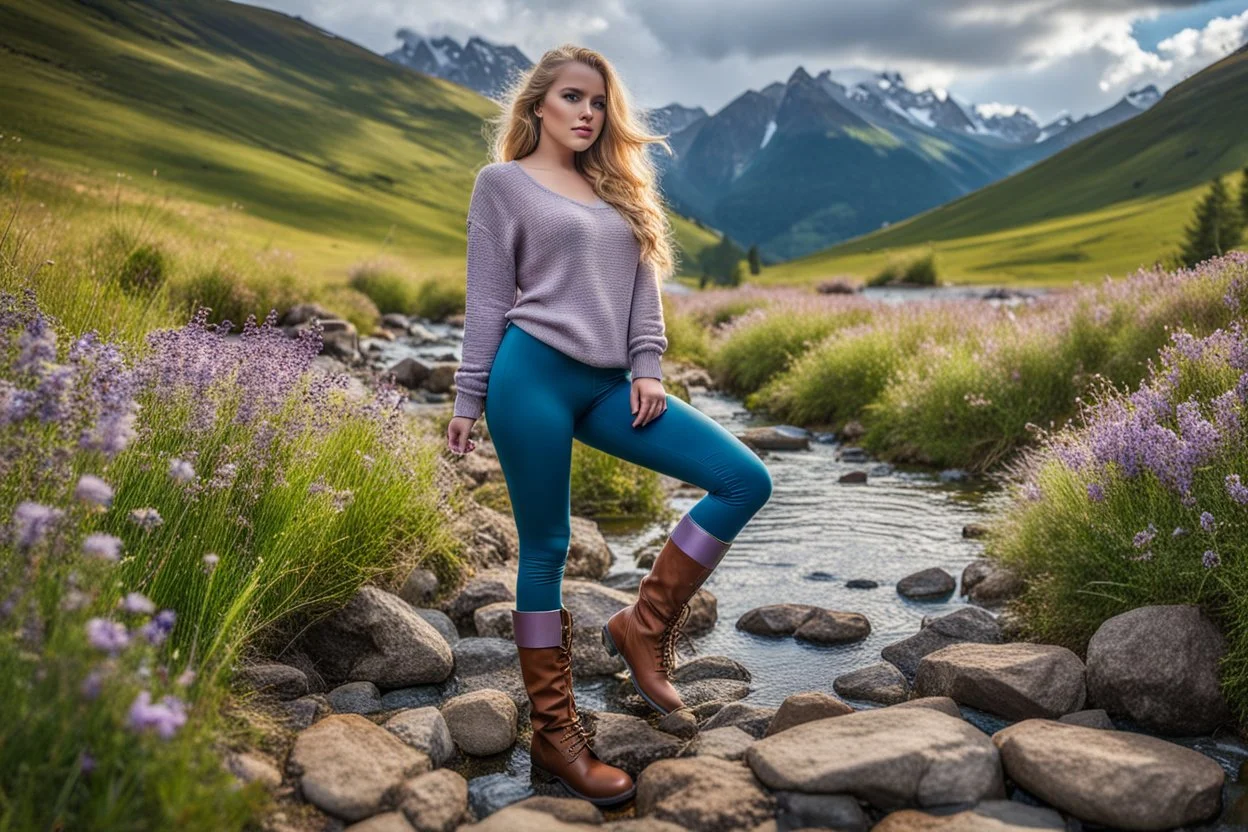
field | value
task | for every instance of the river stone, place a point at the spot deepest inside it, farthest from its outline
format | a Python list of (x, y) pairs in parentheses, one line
[(753, 719), (640, 825), (435, 801), (936, 703), (679, 723), (881, 682), (776, 438), (385, 822), (426, 730), (893, 758), (250, 766), (975, 571), (491, 664), (590, 605), (775, 619), (1158, 665), (997, 587), (798, 810), (495, 620), (989, 816), (703, 793), (376, 637), (475, 594), (355, 698), (1118, 778), (589, 556), (567, 809), (713, 693), (927, 583), (630, 743), (703, 613), (349, 767), (967, 624), (628, 582), (727, 743), (441, 622), (482, 722), (807, 706), (711, 667), (1091, 718), (853, 477), (418, 696), (280, 680), (420, 588), (305, 710), (519, 819), (1015, 680), (832, 627)]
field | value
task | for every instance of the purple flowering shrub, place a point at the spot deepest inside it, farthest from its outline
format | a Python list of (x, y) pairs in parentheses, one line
[(1142, 501)]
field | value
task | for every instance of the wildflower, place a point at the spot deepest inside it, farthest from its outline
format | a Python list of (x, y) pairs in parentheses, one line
[(180, 470), (74, 599), (1210, 559), (1145, 537), (1179, 531), (103, 546), (210, 562), (186, 678), (137, 602), (1206, 521), (32, 521), (92, 489), (109, 636), (1237, 490), (157, 629), (94, 682), (86, 762), (165, 717), (1095, 492), (148, 518)]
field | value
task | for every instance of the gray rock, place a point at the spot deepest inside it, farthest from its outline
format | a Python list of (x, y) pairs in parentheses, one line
[(425, 730), (927, 583), (935, 703), (1158, 665), (590, 605), (1092, 718), (893, 758), (385, 822), (967, 624), (305, 710), (477, 593), (753, 719), (711, 667), (629, 742), (795, 810), (420, 588), (495, 620), (775, 619), (679, 723), (280, 680), (436, 801), (418, 696), (881, 682), (566, 809), (1120, 779), (355, 698), (703, 793), (776, 438), (589, 556), (251, 766), (833, 627), (482, 722), (807, 706), (441, 622), (727, 743), (1015, 680)]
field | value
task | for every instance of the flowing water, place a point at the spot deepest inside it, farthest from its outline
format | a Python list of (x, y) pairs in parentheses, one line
[(812, 536)]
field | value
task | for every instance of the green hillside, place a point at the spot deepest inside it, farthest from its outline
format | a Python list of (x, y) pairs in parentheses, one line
[(327, 146), (1110, 203)]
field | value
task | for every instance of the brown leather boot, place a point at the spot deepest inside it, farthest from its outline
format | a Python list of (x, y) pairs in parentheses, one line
[(644, 633), (562, 746)]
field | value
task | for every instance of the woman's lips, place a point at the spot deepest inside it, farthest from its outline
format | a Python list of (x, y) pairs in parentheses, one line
[(583, 131)]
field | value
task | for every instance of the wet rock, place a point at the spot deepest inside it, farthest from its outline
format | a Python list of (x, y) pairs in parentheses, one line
[(350, 767), (711, 667), (970, 624), (972, 530), (775, 619), (833, 627), (861, 583), (1117, 778), (418, 696), (853, 477), (804, 707), (776, 438), (954, 475), (694, 694), (927, 583), (280, 680), (1158, 665), (482, 722), (852, 453), (627, 582), (376, 637), (703, 613), (795, 810), (436, 801), (753, 719), (1015, 681), (893, 758), (881, 682), (591, 604), (630, 743), (426, 730), (703, 793)]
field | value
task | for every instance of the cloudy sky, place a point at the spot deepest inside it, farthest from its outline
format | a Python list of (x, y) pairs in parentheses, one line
[(1048, 56)]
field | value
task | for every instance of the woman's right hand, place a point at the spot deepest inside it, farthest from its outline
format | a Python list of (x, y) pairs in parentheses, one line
[(457, 435)]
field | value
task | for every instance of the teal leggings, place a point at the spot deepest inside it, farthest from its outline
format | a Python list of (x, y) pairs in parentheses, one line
[(539, 399)]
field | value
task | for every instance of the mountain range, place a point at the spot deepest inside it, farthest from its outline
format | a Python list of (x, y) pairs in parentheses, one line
[(800, 165)]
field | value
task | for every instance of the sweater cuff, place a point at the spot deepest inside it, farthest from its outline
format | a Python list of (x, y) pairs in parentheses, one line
[(466, 404), (646, 365)]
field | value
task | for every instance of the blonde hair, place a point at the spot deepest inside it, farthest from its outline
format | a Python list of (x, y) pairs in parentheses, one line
[(616, 164)]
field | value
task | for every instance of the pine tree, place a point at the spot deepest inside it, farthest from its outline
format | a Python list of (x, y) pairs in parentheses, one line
[(1215, 228)]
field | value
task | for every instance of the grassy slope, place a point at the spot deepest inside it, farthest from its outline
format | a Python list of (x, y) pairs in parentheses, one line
[(332, 148), (1107, 205)]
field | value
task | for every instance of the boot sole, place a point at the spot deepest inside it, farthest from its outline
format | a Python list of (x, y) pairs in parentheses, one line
[(597, 801), (609, 643)]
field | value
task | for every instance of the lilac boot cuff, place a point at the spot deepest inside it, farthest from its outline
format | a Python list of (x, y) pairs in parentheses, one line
[(542, 628), (698, 543)]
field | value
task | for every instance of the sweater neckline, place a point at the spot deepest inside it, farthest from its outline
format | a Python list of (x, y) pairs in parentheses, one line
[(597, 206)]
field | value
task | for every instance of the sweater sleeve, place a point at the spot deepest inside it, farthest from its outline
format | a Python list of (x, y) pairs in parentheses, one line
[(491, 293), (646, 335)]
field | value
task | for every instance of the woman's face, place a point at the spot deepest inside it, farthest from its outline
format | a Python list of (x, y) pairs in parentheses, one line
[(576, 101)]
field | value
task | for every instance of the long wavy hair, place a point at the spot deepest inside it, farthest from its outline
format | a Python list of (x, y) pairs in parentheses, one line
[(616, 164)]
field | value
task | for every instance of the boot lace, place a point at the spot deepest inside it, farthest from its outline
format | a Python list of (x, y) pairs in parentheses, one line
[(667, 641), (581, 735)]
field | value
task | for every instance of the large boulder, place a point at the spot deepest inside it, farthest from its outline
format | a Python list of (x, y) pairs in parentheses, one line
[(703, 793), (1121, 779), (1015, 680), (1158, 665), (967, 624)]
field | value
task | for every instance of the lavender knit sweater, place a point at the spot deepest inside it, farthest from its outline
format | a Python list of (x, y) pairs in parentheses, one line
[(582, 287)]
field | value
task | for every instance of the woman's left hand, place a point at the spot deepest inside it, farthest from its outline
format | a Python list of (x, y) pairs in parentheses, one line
[(648, 400)]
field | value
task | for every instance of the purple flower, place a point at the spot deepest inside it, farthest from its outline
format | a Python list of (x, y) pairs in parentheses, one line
[(1206, 521), (32, 521), (1210, 559), (1179, 531), (86, 762), (94, 682), (148, 518), (101, 545), (1145, 537), (92, 489), (180, 470), (137, 602), (1237, 490), (157, 629), (107, 635), (164, 717), (186, 678), (1095, 492)]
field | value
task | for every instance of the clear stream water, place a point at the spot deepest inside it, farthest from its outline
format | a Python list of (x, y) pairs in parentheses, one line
[(898, 522)]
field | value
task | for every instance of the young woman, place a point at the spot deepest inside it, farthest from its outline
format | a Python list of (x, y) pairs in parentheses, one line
[(570, 216)]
